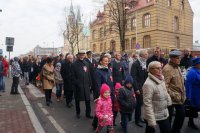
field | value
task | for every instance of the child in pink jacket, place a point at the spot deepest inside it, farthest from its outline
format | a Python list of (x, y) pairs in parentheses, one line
[(103, 110)]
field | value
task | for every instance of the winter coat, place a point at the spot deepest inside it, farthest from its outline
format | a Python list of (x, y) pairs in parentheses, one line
[(117, 72), (48, 77), (103, 108), (139, 75), (81, 80), (174, 83), (116, 102), (103, 75), (126, 99), (1, 68), (66, 73), (6, 67), (93, 65), (15, 69), (156, 100), (193, 86), (58, 77), (186, 61)]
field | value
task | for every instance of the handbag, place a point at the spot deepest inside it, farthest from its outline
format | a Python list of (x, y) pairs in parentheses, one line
[(190, 110)]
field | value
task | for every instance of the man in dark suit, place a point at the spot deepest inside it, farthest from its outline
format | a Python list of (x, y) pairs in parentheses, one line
[(92, 65), (82, 82), (66, 75), (139, 74)]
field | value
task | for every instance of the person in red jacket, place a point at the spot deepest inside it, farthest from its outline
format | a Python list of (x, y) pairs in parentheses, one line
[(5, 72)]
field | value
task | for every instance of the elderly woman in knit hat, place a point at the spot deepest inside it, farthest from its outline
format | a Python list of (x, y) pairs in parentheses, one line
[(193, 88)]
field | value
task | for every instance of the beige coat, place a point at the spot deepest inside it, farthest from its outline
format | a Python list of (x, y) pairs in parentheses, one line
[(48, 77), (174, 83), (156, 100)]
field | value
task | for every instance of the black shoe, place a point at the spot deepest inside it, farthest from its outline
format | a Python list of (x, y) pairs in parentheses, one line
[(69, 105), (138, 124), (78, 116), (192, 125), (48, 104), (12, 93), (16, 93), (89, 116)]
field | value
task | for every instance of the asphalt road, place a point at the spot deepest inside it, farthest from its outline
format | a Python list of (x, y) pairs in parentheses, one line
[(59, 119)]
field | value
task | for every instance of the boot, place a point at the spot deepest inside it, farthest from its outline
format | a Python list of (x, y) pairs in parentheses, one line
[(191, 124)]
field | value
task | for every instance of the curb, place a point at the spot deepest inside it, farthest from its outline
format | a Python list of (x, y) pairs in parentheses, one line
[(34, 120)]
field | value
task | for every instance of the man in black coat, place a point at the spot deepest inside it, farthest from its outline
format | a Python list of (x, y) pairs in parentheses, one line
[(117, 70), (139, 74), (156, 57), (186, 61), (92, 66), (66, 75), (82, 82)]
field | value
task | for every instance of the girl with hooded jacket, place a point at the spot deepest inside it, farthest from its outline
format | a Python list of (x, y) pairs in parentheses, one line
[(103, 110), (58, 80)]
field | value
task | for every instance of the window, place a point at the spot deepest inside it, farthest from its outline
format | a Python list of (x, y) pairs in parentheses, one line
[(127, 44), (104, 47), (169, 2), (101, 47), (94, 48), (93, 34), (146, 20), (112, 30), (177, 42), (133, 24), (112, 46), (176, 23), (126, 25), (147, 41), (182, 5), (101, 33), (105, 31), (133, 43)]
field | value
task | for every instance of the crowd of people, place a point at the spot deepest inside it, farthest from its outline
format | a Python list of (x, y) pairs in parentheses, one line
[(150, 86)]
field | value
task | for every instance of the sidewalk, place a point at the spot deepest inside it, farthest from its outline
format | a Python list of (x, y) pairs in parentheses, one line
[(14, 117)]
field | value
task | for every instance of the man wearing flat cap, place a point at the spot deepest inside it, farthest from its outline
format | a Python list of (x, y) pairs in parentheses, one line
[(175, 86), (81, 81), (93, 65)]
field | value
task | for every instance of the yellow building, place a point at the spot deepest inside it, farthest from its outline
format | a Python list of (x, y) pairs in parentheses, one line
[(150, 23)]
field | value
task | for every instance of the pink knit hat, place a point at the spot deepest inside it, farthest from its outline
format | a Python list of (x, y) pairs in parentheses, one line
[(104, 88), (118, 86)]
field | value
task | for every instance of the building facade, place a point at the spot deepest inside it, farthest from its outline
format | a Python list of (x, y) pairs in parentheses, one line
[(149, 23)]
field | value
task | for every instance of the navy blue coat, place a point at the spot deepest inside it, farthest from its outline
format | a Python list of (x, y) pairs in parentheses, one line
[(193, 86), (103, 75)]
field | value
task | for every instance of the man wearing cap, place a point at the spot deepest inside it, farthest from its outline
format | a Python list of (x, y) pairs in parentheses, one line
[(176, 89), (186, 61), (82, 82), (93, 65)]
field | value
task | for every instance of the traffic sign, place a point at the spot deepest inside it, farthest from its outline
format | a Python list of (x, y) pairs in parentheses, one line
[(10, 41), (9, 48)]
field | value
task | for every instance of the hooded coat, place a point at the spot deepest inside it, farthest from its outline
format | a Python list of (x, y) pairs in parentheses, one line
[(103, 109), (193, 86)]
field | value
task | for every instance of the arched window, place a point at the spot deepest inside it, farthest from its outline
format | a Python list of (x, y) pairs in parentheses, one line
[(147, 41), (169, 2), (177, 42), (101, 47), (127, 44), (93, 34), (101, 33), (104, 48), (112, 46), (146, 20), (133, 43), (94, 48), (133, 23), (176, 23)]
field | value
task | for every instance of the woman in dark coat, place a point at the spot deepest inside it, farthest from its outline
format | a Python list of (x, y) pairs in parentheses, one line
[(102, 75), (82, 82)]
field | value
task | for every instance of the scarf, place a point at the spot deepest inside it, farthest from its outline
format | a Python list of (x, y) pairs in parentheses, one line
[(142, 62)]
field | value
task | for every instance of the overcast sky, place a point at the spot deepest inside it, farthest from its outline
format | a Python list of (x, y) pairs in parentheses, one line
[(41, 22)]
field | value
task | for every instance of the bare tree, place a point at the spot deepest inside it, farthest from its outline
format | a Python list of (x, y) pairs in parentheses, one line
[(118, 17)]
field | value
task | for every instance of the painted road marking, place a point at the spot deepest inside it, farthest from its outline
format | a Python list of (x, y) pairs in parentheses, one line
[(45, 111), (56, 125), (40, 105)]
